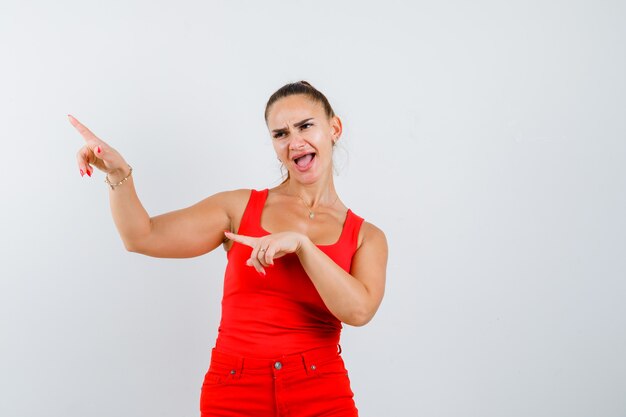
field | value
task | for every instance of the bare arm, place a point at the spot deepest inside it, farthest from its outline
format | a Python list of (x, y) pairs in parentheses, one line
[(183, 233), (129, 215), (191, 231), (352, 297)]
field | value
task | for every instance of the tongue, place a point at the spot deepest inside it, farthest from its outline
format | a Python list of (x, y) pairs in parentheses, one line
[(304, 161)]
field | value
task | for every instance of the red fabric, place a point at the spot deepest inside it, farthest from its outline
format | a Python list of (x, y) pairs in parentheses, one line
[(282, 312), (313, 383)]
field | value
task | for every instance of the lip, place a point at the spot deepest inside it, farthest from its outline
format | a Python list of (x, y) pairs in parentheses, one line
[(293, 158), (307, 166)]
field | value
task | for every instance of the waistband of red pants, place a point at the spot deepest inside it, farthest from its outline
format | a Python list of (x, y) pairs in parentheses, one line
[(308, 359)]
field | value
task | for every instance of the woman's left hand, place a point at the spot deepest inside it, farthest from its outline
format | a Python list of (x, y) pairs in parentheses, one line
[(267, 248)]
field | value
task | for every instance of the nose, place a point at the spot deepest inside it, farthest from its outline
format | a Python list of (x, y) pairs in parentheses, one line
[(297, 142)]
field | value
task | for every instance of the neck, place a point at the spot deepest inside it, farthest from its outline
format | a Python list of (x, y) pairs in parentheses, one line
[(320, 193)]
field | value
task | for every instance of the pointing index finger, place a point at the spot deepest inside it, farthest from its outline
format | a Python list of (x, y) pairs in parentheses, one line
[(82, 129), (246, 240)]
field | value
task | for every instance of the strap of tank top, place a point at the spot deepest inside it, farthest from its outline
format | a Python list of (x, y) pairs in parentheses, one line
[(353, 226), (251, 217)]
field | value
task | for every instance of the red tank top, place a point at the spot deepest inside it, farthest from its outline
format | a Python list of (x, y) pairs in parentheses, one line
[(282, 312)]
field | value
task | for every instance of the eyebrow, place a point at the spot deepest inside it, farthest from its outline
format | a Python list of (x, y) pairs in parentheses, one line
[(298, 124)]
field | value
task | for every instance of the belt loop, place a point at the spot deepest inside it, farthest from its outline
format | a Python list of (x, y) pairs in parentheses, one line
[(305, 363), (310, 361), (238, 368)]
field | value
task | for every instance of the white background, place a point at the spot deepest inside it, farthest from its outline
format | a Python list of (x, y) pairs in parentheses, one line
[(486, 138)]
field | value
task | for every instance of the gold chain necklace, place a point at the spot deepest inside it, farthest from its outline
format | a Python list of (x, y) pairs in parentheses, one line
[(311, 212)]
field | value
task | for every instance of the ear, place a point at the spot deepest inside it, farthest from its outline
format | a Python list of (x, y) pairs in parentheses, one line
[(336, 128)]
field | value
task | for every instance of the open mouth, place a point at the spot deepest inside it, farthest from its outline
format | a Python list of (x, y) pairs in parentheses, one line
[(304, 160)]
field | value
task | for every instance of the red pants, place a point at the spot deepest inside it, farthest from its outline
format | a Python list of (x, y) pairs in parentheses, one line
[(311, 383)]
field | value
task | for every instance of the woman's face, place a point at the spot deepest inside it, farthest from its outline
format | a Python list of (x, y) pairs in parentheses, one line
[(303, 137)]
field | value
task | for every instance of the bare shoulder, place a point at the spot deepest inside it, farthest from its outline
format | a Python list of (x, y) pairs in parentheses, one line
[(371, 235)]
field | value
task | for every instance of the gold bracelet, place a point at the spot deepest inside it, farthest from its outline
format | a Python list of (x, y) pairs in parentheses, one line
[(106, 179)]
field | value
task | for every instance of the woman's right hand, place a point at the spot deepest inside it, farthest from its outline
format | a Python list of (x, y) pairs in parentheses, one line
[(98, 153)]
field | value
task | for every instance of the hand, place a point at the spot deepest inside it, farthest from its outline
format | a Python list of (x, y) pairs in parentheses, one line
[(98, 153), (267, 248)]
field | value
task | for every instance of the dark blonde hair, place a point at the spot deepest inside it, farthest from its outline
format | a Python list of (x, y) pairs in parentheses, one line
[(299, 87)]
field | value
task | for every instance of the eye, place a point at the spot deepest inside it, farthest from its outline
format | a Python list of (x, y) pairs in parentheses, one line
[(304, 126), (278, 135)]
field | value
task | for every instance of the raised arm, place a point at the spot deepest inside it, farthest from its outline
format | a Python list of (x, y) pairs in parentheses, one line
[(190, 231), (183, 233)]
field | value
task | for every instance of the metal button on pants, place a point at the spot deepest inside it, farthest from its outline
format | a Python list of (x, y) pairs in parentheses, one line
[(305, 384)]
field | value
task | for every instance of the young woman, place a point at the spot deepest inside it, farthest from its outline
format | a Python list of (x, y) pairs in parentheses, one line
[(300, 263)]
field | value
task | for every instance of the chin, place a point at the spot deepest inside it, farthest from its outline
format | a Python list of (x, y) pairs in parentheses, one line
[(307, 178), (304, 179)]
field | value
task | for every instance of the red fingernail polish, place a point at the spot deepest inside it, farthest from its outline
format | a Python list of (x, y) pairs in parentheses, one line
[(98, 149), (82, 173), (88, 173)]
